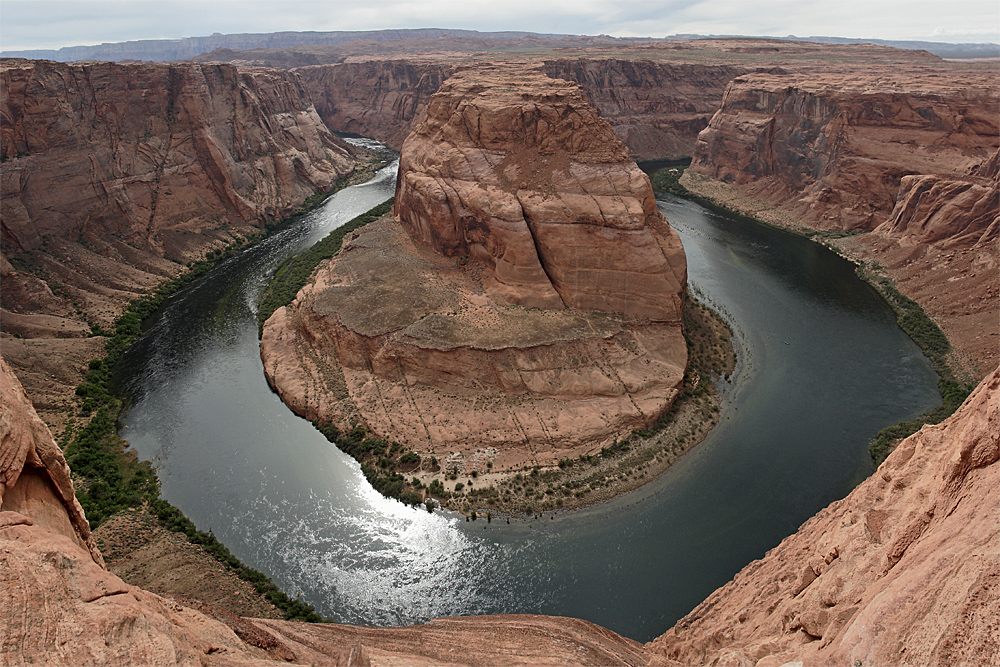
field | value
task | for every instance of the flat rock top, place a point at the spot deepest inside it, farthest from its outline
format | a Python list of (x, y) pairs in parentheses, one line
[(382, 283)]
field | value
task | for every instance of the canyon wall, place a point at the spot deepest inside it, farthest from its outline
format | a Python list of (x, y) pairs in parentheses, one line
[(903, 571), (831, 148), (656, 109), (114, 176), (145, 153), (907, 153), (529, 300), (380, 99)]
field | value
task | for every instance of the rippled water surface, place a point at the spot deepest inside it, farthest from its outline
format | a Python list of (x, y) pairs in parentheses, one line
[(823, 367)]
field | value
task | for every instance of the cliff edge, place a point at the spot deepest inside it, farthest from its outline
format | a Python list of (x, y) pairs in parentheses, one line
[(903, 571)]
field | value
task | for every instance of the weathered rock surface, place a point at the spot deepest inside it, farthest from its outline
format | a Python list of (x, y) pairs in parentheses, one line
[(376, 98), (515, 169), (114, 176), (144, 152), (832, 148), (656, 108), (530, 300), (904, 571)]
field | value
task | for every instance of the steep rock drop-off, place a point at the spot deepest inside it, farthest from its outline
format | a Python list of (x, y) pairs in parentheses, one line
[(903, 571), (529, 299), (905, 152), (656, 109), (114, 176)]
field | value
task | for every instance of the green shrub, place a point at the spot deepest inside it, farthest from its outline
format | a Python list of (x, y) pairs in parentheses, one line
[(295, 271)]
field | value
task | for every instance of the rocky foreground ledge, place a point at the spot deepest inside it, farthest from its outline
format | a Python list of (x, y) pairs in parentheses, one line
[(525, 307)]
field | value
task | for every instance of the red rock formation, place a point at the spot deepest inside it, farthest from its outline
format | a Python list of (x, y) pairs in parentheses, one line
[(534, 306), (517, 170), (904, 571), (149, 152), (832, 148), (375, 98), (114, 176), (656, 108)]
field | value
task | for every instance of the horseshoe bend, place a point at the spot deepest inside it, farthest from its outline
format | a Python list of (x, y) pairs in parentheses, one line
[(527, 297)]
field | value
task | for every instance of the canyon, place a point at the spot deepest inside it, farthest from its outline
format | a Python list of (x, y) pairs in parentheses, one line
[(528, 302), (892, 156), (115, 177)]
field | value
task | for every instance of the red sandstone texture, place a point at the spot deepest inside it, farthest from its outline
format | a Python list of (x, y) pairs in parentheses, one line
[(114, 176), (832, 148), (904, 571), (528, 303), (909, 153), (655, 108)]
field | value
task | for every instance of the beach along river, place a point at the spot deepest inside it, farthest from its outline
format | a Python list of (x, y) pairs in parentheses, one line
[(823, 367)]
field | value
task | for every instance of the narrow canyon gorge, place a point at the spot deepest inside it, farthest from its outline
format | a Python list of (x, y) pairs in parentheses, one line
[(526, 268)]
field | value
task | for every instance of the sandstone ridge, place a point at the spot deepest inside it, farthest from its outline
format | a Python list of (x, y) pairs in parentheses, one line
[(528, 302)]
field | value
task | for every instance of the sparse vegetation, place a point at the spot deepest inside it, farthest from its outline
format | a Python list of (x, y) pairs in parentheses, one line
[(295, 272), (108, 478)]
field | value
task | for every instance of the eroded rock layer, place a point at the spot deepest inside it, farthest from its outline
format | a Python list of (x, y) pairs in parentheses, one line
[(515, 169), (529, 299), (115, 176), (904, 571), (831, 148)]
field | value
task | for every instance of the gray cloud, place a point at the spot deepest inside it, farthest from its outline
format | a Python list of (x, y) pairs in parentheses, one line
[(26, 24)]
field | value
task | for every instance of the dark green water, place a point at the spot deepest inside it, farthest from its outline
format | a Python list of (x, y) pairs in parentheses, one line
[(823, 367)]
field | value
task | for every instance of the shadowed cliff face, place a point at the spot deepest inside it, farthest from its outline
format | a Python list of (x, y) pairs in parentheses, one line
[(656, 109), (149, 152), (905, 570)]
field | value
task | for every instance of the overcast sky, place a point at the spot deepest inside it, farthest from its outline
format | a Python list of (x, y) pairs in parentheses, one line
[(35, 24)]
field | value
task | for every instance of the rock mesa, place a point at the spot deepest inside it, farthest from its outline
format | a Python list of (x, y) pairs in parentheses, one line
[(529, 298)]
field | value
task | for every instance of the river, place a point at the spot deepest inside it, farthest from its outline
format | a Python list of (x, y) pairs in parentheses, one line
[(823, 367)]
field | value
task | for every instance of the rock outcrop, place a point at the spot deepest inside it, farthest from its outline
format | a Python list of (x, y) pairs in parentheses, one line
[(529, 299), (902, 150), (376, 98), (147, 152), (656, 108), (904, 571)]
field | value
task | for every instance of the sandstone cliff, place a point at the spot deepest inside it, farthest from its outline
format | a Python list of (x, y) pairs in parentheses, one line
[(114, 176), (529, 301), (831, 148), (902, 150), (655, 108), (146, 152), (903, 571)]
